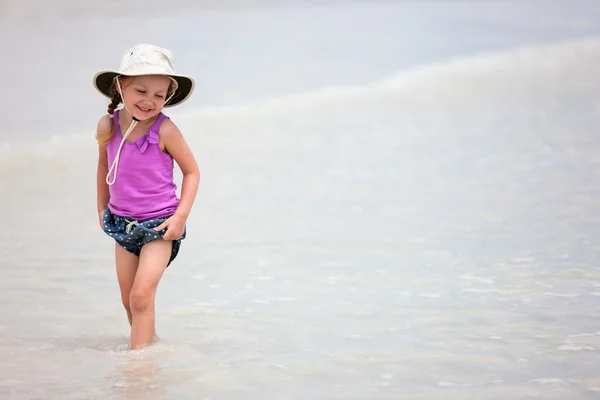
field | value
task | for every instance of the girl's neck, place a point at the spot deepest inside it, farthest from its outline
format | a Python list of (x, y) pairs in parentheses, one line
[(126, 117)]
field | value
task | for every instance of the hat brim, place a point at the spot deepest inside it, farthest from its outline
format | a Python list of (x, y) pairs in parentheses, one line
[(103, 81)]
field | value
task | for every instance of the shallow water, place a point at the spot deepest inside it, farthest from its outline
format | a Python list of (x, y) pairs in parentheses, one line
[(429, 234)]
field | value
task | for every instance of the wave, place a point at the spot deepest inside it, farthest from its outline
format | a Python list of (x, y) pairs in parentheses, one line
[(520, 77)]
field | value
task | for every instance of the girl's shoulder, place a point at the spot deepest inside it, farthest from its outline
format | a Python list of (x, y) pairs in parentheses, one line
[(168, 129), (104, 130), (170, 137)]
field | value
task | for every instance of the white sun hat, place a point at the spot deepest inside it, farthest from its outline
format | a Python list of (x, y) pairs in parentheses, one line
[(147, 59)]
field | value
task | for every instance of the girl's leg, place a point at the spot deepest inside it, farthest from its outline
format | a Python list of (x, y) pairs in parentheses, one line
[(127, 265), (154, 258)]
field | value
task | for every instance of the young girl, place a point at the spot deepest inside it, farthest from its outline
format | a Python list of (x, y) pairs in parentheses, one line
[(137, 202)]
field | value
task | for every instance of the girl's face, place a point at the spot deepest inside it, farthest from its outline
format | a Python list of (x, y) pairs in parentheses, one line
[(145, 96)]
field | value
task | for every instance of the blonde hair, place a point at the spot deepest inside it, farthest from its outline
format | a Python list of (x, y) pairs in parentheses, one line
[(114, 103)]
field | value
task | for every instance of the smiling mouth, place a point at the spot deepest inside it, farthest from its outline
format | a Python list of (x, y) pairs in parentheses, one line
[(143, 109)]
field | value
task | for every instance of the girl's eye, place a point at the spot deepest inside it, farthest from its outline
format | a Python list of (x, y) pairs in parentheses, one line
[(160, 96), (140, 91)]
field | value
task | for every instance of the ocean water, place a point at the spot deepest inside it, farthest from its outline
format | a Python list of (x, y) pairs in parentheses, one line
[(421, 224)]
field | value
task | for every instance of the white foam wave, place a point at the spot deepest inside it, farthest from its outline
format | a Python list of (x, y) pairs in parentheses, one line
[(488, 78)]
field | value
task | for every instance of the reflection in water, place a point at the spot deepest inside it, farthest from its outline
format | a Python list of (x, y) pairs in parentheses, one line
[(138, 378)]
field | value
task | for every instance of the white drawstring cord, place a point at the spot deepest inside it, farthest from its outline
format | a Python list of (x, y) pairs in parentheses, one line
[(115, 163), (132, 224), (176, 85)]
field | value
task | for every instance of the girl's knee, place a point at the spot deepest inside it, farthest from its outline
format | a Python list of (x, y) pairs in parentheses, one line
[(126, 303), (140, 300)]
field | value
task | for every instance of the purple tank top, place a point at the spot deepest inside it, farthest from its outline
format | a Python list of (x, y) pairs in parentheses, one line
[(144, 188)]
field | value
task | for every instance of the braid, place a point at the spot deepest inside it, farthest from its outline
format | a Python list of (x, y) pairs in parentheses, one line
[(115, 101)]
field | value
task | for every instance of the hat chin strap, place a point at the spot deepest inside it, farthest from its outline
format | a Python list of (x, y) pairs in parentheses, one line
[(115, 164)]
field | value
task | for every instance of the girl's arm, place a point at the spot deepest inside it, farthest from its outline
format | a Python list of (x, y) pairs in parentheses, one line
[(101, 185), (175, 144)]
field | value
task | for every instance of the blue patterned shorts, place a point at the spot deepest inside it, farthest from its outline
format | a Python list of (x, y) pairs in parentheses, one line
[(132, 235)]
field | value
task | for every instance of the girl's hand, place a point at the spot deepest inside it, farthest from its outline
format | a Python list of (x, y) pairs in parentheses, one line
[(175, 226), (101, 219)]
